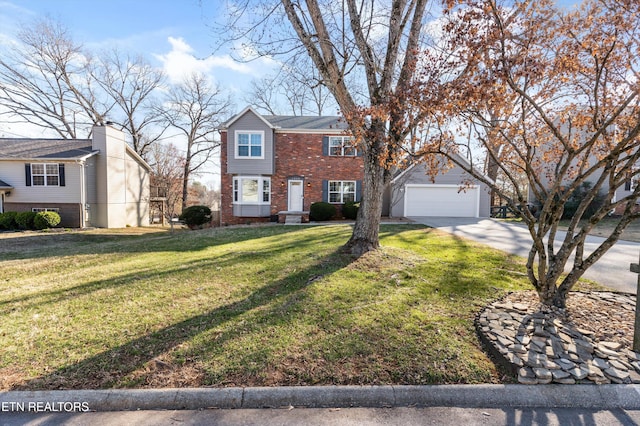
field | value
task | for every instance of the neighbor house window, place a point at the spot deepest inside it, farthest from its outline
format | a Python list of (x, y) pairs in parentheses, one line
[(251, 190), (342, 146), (342, 191), (45, 175), (249, 144), (45, 209)]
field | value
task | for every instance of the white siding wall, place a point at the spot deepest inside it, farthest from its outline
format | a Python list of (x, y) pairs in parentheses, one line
[(137, 193), (13, 173), (121, 183)]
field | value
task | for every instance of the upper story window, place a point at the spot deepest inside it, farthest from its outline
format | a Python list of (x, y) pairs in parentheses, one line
[(249, 144), (45, 174), (342, 146)]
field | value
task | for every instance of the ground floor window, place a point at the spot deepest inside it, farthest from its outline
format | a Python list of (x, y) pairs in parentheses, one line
[(342, 191), (45, 209), (252, 190)]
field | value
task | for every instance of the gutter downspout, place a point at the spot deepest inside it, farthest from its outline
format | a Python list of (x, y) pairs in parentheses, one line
[(83, 195)]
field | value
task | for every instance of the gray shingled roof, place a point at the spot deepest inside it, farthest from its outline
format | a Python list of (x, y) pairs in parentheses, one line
[(5, 185), (306, 122), (44, 148)]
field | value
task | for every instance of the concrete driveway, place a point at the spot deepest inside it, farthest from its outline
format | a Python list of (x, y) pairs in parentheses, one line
[(612, 270)]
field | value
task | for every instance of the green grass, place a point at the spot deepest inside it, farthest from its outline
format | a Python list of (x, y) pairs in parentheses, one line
[(269, 305)]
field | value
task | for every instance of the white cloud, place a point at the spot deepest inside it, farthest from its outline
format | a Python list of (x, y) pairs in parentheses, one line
[(181, 62)]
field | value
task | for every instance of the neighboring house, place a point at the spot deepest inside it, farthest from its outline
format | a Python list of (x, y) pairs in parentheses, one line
[(546, 160), (99, 182), (277, 166)]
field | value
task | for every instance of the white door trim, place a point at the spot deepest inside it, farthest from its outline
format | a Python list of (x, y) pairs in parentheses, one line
[(295, 191)]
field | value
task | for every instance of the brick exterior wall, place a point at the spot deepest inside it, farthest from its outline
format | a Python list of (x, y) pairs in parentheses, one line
[(296, 155), (69, 212)]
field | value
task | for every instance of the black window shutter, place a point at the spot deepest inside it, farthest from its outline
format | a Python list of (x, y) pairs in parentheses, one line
[(358, 190), (325, 145), (27, 174), (627, 185), (325, 191), (61, 173)]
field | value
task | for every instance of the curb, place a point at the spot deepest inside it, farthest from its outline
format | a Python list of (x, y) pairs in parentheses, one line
[(468, 396)]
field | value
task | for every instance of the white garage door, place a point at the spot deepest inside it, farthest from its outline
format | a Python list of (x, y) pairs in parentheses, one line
[(441, 200)]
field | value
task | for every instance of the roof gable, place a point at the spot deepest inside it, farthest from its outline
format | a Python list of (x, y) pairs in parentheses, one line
[(44, 148), (242, 113), (293, 122)]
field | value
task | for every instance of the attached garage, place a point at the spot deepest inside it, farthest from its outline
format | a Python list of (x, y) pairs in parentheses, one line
[(441, 200)]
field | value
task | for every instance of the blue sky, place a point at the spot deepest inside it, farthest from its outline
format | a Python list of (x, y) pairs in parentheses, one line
[(173, 34)]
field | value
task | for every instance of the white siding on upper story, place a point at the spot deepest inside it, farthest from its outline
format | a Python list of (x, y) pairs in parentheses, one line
[(13, 173), (265, 166)]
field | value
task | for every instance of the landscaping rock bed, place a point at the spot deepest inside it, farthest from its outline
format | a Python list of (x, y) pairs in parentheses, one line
[(589, 342)]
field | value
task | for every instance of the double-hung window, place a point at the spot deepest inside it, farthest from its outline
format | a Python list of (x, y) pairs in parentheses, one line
[(342, 146), (251, 190), (249, 144), (45, 174), (342, 191)]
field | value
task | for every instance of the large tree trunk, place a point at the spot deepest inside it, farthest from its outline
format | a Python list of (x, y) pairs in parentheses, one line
[(365, 231)]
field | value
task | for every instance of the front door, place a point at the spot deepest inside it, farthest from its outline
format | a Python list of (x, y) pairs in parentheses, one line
[(296, 195)]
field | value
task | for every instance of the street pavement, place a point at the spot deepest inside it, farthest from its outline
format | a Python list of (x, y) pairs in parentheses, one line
[(400, 416), (612, 270)]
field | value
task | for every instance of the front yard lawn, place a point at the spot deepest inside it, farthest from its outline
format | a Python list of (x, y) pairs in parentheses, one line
[(271, 305)]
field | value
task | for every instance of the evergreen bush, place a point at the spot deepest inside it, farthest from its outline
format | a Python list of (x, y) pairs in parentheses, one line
[(322, 211), (24, 220), (196, 216), (45, 220), (8, 220), (350, 210)]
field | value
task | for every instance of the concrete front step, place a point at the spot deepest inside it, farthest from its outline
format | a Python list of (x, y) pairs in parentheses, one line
[(293, 219)]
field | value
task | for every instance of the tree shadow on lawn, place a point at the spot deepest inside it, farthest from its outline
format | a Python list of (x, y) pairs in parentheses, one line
[(222, 261), (81, 243), (111, 368)]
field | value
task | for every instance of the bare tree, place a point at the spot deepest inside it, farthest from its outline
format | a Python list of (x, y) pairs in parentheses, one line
[(565, 102), (299, 84), (167, 165), (44, 81), (195, 109), (373, 41), (263, 95), (131, 84)]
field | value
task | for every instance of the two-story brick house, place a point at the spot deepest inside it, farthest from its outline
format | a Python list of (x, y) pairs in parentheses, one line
[(276, 164)]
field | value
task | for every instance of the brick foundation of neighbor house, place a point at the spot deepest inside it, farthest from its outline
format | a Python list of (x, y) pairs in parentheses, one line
[(69, 212)]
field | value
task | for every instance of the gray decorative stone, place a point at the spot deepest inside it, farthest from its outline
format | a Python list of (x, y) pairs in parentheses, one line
[(615, 375), (613, 346), (547, 346), (601, 363), (578, 373)]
